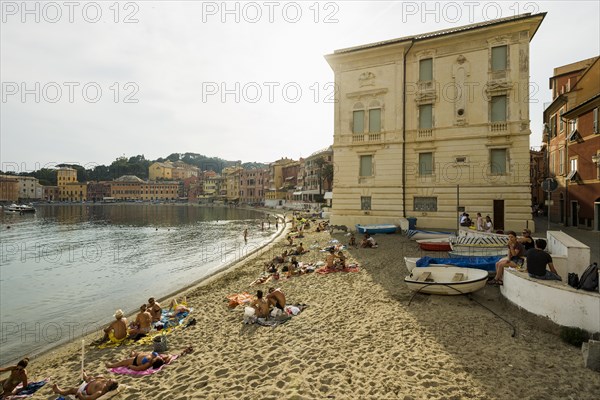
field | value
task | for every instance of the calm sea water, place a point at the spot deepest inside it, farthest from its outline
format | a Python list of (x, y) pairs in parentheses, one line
[(66, 269)]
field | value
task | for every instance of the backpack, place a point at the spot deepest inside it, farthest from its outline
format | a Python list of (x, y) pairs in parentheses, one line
[(573, 280), (589, 278)]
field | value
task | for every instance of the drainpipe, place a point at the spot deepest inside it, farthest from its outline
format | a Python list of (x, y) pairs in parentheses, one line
[(404, 130)]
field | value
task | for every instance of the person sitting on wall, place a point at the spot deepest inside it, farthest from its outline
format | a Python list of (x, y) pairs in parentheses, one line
[(537, 259)]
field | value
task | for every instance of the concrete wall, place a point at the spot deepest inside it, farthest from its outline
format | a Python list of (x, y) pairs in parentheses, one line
[(569, 253), (556, 300)]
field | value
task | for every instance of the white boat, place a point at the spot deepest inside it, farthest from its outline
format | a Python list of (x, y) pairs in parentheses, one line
[(479, 245), (486, 263), (18, 209), (478, 252), (446, 280), (416, 234)]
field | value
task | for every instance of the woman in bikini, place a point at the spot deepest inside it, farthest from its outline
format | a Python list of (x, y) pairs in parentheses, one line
[(18, 374), (91, 389), (143, 361)]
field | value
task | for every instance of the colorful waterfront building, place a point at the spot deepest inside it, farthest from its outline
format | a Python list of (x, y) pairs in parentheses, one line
[(9, 188)]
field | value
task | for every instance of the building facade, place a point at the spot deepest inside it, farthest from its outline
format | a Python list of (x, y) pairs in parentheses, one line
[(431, 124), (571, 143), (253, 184), (9, 189)]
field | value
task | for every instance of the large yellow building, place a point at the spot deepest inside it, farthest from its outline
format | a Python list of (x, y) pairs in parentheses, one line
[(171, 171), (69, 189), (232, 176), (9, 188), (430, 123)]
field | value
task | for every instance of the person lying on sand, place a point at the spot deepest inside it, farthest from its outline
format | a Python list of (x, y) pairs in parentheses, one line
[(177, 307), (18, 374), (142, 324), (143, 361), (90, 389)]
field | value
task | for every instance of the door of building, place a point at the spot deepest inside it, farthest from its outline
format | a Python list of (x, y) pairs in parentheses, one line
[(574, 213), (499, 214)]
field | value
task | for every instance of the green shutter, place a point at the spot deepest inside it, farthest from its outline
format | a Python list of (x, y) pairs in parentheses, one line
[(498, 161), (425, 116), (425, 163), (358, 122), (499, 58), (426, 69), (498, 108), (366, 165), (375, 120)]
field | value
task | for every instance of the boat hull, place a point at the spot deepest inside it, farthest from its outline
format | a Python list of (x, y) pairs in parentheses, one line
[(441, 280), (442, 245), (373, 229), (422, 235), (486, 263)]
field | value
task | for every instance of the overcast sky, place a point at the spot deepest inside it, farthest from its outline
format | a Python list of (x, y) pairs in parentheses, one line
[(87, 82)]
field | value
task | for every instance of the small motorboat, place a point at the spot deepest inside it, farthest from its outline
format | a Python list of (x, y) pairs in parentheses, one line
[(446, 280), (18, 209), (485, 263), (434, 244), (416, 234), (376, 228)]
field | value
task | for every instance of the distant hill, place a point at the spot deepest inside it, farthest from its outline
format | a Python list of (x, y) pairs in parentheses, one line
[(138, 166)]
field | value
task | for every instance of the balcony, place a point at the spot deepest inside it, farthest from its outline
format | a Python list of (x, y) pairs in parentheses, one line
[(425, 134), (368, 137)]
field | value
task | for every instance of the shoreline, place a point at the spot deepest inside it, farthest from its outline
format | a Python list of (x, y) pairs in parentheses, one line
[(213, 275), (358, 338)]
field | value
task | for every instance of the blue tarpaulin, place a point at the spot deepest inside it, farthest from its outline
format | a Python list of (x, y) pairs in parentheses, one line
[(487, 263)]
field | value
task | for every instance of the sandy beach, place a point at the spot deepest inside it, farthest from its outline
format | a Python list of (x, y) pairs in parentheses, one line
[(358, 339)]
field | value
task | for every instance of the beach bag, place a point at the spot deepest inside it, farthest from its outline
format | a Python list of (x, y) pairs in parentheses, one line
[(589, 278), (573, 280), (160, 343)]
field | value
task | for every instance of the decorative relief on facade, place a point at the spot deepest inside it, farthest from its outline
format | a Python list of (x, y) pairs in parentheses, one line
[(366, 79), (498, 87), (367, 94), (460, 71)]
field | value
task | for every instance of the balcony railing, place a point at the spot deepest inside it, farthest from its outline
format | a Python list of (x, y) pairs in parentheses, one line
[(425, 133), (368, 137), (498, 126)]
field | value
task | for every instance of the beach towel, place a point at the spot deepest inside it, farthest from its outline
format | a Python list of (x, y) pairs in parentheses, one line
[(288, 312), (237, 299), (114, 342), (149, 371), (349, 268), (31, 388)]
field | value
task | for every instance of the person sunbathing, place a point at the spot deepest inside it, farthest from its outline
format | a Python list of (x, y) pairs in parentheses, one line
[(330, 259), (142, 324), (154, 309), (91, 389), (276, 298), (18, 374), (261, 305), (178, 307), (341, 260), (144, 360), (117, 330)]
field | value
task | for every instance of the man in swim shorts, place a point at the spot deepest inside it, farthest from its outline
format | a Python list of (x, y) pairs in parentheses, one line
[(91, 389), (154, 309)]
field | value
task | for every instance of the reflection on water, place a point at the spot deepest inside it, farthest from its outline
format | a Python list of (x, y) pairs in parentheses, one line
[(68, 267)]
